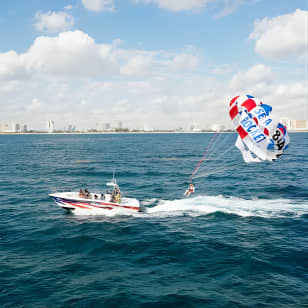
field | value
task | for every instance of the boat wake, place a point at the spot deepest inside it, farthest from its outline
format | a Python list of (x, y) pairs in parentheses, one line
[(205, 205)]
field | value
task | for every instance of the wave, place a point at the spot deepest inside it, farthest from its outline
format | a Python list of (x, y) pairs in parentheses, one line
[(201, 205), (205, 205)]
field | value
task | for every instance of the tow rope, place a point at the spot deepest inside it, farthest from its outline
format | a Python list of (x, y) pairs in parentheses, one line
[(204, 155)]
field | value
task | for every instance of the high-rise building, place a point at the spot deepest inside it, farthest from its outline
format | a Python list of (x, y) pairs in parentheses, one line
[(16, 128), (50, 126), (71, 128), (196, 128), (299, 124), (294, 124), (286, 122), (218, 127), (24, 128), (100, 126), (2, 127), (107, 125), (147, 128), (6, 128)]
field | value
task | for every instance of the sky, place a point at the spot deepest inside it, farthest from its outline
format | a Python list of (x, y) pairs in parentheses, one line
[(161, 64)]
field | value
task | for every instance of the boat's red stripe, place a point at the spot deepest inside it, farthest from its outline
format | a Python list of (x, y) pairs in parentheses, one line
[(78, 205), (125, 206), (111, 204), (103, 204)]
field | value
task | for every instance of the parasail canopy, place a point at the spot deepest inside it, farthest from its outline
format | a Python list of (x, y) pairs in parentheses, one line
[(261, 137)]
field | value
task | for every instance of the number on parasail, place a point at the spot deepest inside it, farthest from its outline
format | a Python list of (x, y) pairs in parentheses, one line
[(261, 137)]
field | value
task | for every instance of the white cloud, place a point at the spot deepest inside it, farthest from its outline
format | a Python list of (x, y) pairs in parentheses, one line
[(53, 22), (283, 36), (108, 82), (99, 5), (178, 5), (287, 98), (69, 54), (74, 54), (35, 105), (222, 69), (68, 7), (259, 76), (161, 102), (229, 7), (8, 86), (12, 66), (137, 65), (184, 62)]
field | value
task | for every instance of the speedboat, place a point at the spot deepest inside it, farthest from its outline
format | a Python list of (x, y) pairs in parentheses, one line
[(110, 200)]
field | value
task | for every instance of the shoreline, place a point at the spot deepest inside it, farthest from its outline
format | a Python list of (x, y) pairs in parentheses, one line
[(127, 133), (110, 133)]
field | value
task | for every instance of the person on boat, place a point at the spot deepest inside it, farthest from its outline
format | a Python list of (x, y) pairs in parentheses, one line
[(190, 190), (81, 194), (87, 194), (116, 195)]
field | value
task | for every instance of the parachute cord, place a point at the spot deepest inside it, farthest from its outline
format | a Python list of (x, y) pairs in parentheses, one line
[(203, 157), (217, 154), (217, 170), (215, 149), (227, 150)]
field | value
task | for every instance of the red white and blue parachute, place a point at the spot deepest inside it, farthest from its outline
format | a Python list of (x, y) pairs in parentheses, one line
[(261, 137)]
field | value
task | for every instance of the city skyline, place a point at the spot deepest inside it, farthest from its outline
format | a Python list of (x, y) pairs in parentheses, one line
[(157, 64), (50, 127), (290, 124)]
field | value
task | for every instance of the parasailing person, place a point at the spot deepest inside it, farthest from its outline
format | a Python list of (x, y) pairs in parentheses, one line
[(190, 190), (191, 187)]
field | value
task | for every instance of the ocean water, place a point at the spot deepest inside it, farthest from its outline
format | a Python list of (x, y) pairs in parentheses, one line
[(240, 241)]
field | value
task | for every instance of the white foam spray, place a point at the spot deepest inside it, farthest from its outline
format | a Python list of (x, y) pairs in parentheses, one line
[(204, 205)]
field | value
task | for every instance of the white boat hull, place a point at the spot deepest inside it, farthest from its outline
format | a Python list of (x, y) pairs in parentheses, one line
[(71, 201)]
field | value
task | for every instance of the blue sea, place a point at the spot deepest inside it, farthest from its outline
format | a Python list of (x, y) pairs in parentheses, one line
[(241, 240)]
